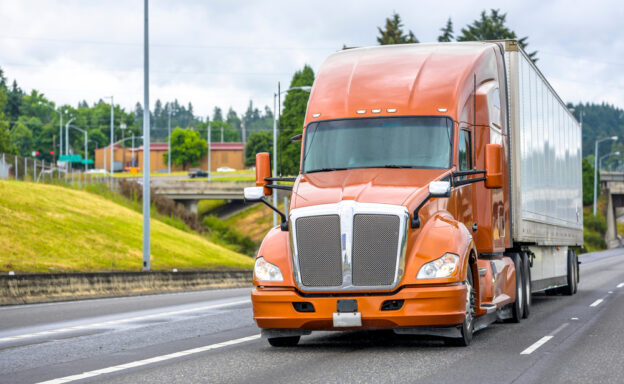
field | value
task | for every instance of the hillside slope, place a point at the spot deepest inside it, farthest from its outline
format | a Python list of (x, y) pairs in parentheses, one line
[(45, 228)]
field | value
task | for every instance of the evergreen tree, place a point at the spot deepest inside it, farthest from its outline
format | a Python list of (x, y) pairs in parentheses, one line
[(5, 137), (217, 115), (492, 27), (260, 141), (447, 32), (291, 122), (393, 32), (14, 102)]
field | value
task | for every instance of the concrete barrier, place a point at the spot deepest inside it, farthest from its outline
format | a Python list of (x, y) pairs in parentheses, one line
[(39, 288)]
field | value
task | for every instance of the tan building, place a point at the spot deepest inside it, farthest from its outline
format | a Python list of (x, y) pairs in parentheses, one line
[(230, 155), (123, 158)]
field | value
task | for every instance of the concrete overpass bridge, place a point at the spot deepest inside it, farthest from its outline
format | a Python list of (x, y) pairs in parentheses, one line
[(612, 184), (189, 192)]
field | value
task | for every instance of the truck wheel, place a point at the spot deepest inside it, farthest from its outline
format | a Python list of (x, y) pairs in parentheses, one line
[(289, 341), (517, 309), (468, 326), (570, 289), (526, 277)]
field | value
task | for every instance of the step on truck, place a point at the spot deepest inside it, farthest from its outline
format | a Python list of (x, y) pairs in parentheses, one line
[(440, 185)]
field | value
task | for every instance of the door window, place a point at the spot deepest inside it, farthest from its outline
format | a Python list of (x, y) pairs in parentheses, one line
[(465, 150)]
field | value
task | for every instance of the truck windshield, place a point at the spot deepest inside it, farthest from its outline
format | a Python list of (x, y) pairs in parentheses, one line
[(386, 142)]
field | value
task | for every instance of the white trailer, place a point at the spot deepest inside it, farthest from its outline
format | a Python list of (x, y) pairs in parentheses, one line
[(546, 181)]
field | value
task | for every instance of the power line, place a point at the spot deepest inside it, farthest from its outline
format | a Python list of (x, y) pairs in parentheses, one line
[(164, 45)]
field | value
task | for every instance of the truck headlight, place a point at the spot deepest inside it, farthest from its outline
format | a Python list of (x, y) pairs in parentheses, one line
[(266, 271), (445, 266)]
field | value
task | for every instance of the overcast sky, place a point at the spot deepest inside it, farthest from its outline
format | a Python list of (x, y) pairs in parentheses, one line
[(224, 53)]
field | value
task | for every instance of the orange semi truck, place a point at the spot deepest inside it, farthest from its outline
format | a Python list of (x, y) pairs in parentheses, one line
[(440, 185)]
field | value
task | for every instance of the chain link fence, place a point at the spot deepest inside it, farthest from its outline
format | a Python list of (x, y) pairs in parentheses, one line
[(19, 168)]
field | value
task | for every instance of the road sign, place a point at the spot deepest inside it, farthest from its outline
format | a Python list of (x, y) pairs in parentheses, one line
[(71, 158), (87, 161)]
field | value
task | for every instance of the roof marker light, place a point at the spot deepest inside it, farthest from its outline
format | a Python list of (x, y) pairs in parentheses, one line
[(376, 110), (442, 109), (316, 115), (391, 110), (361, 111)]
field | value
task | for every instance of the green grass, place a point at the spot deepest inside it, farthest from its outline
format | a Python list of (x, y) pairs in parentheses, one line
[(47, 228), (229, 178), (206, 206)]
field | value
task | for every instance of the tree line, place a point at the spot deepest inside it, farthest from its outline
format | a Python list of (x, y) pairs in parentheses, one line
[(30, 122)]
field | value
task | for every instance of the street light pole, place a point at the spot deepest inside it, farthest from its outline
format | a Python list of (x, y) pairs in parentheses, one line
[(596, 164), (305, 88), (67, 135), (86, 146), (146, 142), (169, 139), (209, 143)]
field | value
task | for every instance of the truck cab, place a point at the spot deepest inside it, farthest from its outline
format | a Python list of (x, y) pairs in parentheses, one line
[(399, 218)]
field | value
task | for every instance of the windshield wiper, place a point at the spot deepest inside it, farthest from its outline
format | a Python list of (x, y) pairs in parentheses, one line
[(326, 170)]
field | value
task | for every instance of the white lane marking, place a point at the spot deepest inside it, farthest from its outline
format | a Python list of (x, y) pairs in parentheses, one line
[(536, 345), (125, 320), (596, 303), (620, 285), (157, 359), (553, 333), (610, 292), (574, 318)]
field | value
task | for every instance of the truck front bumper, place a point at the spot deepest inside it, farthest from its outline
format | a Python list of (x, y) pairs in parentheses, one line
[(432, 306)]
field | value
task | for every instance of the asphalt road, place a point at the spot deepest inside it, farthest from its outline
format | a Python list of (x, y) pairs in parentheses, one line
[(210, 337)]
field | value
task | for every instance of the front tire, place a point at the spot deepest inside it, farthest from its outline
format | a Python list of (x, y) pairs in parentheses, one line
[(289, 341), (517, 309), (467, 327), (526, 277)]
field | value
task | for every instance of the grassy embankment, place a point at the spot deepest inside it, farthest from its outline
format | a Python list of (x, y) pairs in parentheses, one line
[(47, 228)]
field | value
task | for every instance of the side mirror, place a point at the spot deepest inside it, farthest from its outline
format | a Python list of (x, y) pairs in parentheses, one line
[(440, 189), (263, 170), (296, 138), (493, 166), (254, 193)]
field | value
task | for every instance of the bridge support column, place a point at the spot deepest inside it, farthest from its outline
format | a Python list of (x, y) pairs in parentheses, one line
[(611, 235), (190, 205)]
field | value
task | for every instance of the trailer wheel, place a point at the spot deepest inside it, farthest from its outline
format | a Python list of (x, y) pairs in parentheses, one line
[(526, 278), (289, 341), (570, 289), (517, 309), (468, 325)]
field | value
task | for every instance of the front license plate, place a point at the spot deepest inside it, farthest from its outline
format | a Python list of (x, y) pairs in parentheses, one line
[(347, 319)]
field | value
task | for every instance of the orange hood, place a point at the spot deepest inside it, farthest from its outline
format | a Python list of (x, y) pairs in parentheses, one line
[(370, 185)]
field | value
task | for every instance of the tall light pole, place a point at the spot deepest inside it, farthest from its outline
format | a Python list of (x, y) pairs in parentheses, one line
[(146, 143), (276, 100), (209, 143), (596, 165), (67, 135), (169, 138), (112, 137), (86, 146)]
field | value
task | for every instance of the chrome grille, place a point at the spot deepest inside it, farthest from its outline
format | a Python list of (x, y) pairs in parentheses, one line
[(375, 243), (318, 247)]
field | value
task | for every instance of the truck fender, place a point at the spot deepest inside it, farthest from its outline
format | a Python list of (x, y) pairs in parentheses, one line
[(441, 234)]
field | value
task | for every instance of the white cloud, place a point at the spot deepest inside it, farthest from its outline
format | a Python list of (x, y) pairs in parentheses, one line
[(224, 53)]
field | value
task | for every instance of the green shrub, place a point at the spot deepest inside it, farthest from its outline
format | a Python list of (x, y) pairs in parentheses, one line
[(229, 237)]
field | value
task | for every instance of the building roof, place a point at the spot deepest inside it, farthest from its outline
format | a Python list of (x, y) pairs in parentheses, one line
[(234, 146)]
